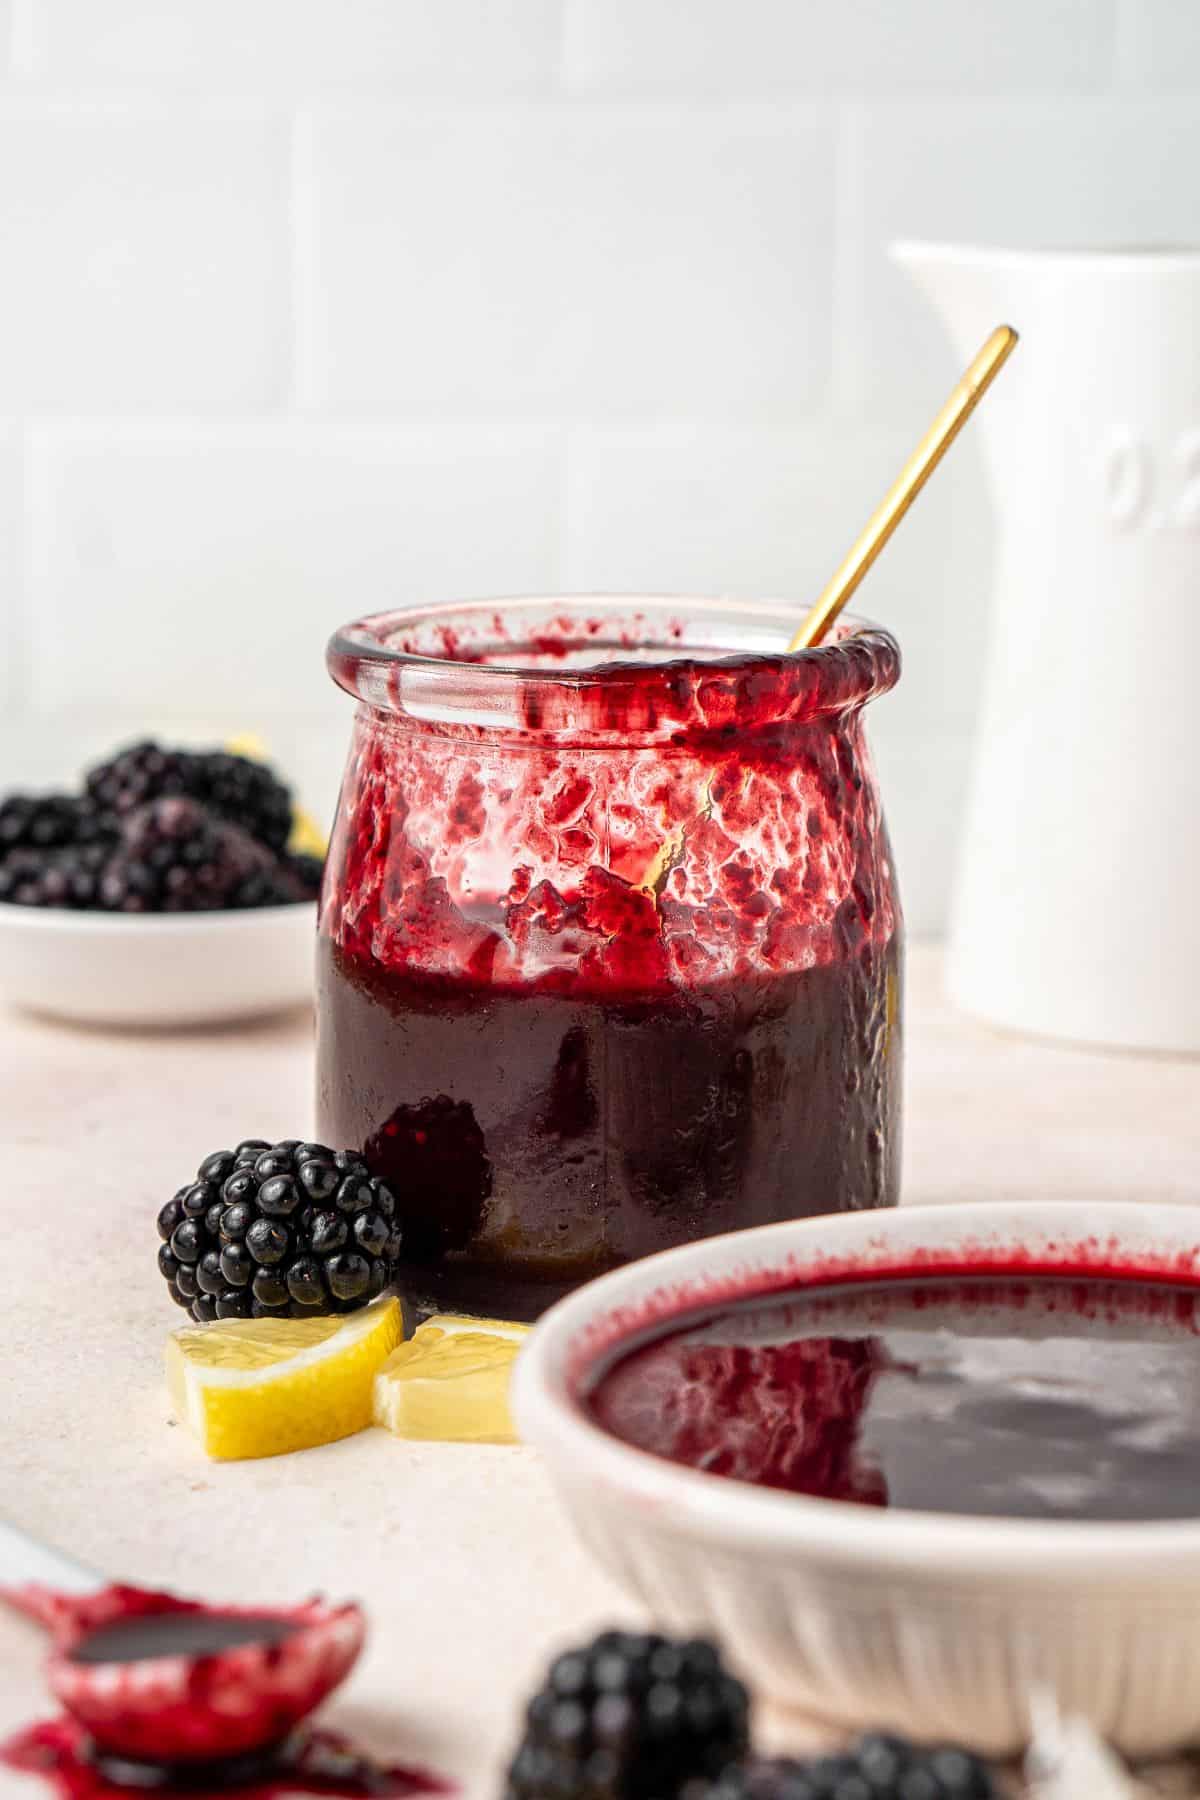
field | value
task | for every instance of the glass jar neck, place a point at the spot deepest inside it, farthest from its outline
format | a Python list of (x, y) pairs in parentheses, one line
[(612, 669)]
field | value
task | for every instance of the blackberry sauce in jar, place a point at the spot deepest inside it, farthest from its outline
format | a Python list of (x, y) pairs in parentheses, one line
[(610, 945)]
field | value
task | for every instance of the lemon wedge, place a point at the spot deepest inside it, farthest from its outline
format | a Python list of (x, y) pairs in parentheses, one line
[(449, 1383), (248, 743), (260, 1387), (307, 837)]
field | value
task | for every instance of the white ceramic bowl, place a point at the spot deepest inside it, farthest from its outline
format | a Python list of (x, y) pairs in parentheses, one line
[(936, 1625), (162, 969)]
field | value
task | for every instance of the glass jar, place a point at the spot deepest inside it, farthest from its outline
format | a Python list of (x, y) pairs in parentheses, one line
[(610, 945)]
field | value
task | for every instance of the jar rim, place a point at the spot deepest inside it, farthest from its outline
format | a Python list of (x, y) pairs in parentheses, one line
[(505, 664)]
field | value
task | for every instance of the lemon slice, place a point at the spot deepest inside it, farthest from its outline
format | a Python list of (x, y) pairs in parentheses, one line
[(249, 744), (449, 1383), (259, 1387), (307, 837)]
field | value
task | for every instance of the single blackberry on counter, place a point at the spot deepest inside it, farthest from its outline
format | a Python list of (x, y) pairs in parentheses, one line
[(278, 1230), (876, 1768), (245, 792), (52, 822), (629, 1717), (62, 878), (175, 856)]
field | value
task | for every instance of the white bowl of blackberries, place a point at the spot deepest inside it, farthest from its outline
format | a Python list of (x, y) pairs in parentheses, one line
[(167, 891)]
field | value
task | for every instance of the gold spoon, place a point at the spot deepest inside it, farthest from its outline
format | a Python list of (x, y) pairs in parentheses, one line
[(976, 380)]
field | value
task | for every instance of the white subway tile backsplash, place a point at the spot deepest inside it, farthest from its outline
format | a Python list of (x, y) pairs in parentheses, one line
[(12, 535), (266, 265), (769, 513), (1067, 174), (934, 47), (143, 259), (1159, 46), (311, 46), (923, 779), (710, 509), (33, 760), (720, 510), (610, 262), (181, 571)]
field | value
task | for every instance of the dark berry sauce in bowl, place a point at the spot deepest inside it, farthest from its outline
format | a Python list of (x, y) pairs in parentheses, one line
[(914, 1467), (1019, 1397)]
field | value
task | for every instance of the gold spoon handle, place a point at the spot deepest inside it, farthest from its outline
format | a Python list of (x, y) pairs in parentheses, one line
[(974, 384)]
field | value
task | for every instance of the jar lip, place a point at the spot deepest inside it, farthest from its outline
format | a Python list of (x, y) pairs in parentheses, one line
[(449, 662)]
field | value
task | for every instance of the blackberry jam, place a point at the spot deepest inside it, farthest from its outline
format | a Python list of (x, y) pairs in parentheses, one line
[(610, 948)]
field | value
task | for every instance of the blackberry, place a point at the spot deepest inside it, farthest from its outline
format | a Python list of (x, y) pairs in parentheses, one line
[(245, 791), (263, 887), (140, 773), (629, 1717), (283, 884), (435, 1156), (68, 877), (234, 787), (176, 857), (268, 1230), (51, 822), (876, 1768), (306, 871)]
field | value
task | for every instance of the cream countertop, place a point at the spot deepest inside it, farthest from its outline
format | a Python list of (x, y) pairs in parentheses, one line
[(471, 1575)]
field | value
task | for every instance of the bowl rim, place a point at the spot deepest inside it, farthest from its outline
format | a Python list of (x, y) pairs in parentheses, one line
[(740, 1517), (61, 918)]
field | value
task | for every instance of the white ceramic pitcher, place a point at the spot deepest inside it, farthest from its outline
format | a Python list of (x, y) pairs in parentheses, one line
[(1078, 906)]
